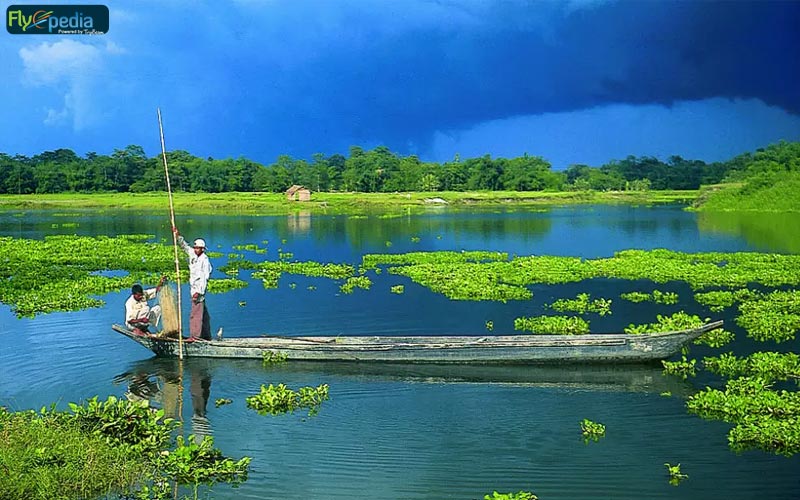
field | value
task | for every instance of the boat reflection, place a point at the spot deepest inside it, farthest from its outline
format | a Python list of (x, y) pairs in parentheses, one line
[(157, 379)]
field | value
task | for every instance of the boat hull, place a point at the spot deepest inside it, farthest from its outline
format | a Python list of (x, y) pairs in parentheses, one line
[(507, 349)]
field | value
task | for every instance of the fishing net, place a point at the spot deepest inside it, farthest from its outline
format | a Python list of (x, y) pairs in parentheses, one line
[(167, 298)]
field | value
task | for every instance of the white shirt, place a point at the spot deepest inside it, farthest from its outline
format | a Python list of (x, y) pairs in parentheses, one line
[(199, 268), (138, 309)]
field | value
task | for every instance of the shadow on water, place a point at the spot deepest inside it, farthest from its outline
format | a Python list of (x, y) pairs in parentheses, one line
[(158, 379)]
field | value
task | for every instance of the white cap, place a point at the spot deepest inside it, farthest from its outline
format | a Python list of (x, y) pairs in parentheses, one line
[(200, 242)]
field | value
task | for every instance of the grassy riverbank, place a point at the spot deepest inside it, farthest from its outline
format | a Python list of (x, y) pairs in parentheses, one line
[(277, 204)]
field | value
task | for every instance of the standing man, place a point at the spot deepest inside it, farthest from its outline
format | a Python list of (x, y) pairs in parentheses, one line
[(199, 272)]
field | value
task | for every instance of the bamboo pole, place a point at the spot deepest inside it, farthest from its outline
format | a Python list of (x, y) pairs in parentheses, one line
[(174, 235)]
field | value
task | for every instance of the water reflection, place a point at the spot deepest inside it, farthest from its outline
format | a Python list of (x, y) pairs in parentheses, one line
[(161, 382), (778, 231)]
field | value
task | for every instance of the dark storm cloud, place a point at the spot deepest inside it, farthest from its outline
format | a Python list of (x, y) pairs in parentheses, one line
[(395, 78)]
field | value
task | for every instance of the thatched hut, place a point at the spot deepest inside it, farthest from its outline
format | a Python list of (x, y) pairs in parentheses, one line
[(298, 193)]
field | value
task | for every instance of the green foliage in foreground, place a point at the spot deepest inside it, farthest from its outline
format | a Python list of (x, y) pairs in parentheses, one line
[(520, 495), (50, 457), (103, 448), (552, 325), (279, 399), (583, 304), (763, 418)]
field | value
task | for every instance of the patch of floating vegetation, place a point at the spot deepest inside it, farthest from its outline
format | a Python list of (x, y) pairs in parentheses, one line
[(225, 285), (771, 316), (63, 273), (716, 338), (552, 325), (308, 268), (718, 300), (674, 323), (763, 417), (67, 272), (657, 296), (769, 366), (354, 282), (583, 304), (492, 276)]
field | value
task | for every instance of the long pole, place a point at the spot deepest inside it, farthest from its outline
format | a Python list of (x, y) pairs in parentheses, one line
[(174, 235)]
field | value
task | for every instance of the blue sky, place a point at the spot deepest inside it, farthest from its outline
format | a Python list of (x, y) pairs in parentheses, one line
[(574, 82)]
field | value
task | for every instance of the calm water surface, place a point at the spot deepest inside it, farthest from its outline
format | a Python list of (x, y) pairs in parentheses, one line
[(415, 432)]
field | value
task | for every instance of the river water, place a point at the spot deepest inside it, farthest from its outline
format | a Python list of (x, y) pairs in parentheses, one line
[(415, 432)]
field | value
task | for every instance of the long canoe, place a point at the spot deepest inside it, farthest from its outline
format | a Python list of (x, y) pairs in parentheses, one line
[(488, 349)]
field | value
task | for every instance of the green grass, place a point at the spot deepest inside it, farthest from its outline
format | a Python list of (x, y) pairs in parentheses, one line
[(51, 457), (344, 203), (775, 193)]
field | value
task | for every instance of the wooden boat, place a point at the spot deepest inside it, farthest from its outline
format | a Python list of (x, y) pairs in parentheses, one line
[(488, 349)]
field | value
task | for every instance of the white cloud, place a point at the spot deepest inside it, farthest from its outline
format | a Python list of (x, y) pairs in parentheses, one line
[(72, 69)]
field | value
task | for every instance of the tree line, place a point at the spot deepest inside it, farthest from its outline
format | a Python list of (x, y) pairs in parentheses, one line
[(375, 170)]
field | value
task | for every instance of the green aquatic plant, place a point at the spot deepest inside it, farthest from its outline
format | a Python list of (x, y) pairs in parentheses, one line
[(269, 358), (716, 338), (65, 273), (196, 463), (718, 300), (592, 431), (768, 366), (279, 399), (657, 296), (113, 448), (397, 289), (520, 495), (489, 326), (583, 304), (552, 325), (676, 322), (636, 296), (309, 268), (763, 417), (225, 285), (667, 298), (355, 282), (684, 368), (222, 402), (772, 316), (124, 423), (675, 474)]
